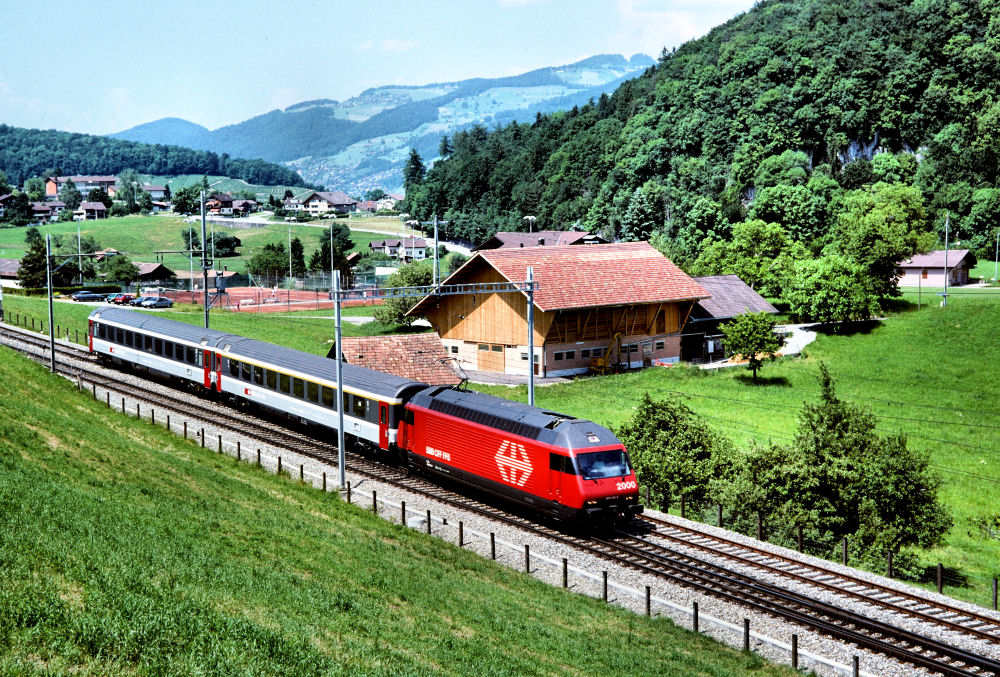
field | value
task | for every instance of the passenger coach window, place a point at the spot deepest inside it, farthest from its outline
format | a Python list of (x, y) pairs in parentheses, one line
[(258, 375), (328, 397), (313, 390), (272, 380), (129, 338), (234, 368), (119, 335), (101, 333), (297, 387), (168, 349), (158, 346), (149, 343), (360, 406), (190, 355), (286, 383), (245, 372)]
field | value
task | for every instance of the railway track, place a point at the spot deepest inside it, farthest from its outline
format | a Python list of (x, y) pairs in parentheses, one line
[(628, 549), (898, 601)]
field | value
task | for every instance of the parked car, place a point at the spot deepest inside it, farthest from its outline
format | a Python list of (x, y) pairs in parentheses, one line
[(87, 296), (137, 301), (123, 299), (110, 298), (158, 302)]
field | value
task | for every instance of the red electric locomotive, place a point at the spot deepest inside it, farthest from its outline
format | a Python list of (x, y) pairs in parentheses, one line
[(569, 468)]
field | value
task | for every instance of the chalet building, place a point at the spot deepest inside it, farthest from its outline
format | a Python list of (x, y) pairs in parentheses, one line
[(292, 204), (84, 184), (420, 357), (89, 211), (5, 201), (154, 272), (9, 269), (324, 202), (244, 207), (731, 296), (47, 211), (219, 203), (155, 192), (929, 269), (406, 249), (542, 238), (388, 202), (623, 300)]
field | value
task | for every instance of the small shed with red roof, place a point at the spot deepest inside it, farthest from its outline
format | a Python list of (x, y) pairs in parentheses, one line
[(625, 298), (420, 357)]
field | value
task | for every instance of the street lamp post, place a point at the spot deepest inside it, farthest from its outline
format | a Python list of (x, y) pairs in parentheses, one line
[(531, 222)]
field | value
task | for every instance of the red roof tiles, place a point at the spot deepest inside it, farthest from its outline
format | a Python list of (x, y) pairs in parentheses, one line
[(595, 275), (416, 356)]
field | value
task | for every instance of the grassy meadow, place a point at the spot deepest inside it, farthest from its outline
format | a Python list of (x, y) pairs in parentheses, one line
[(140, 236), (307, 330), (927, 373), (128, 550)]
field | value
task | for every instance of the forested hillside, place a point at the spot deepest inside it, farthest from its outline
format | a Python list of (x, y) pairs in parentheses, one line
[(799, 119), (30, 152)]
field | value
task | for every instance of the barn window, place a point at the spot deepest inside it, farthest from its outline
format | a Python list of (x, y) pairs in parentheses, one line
[(498, 349), (484, 346), (570, 354), (659, 345), (585, 352), (524, 356), (559, 357), (454, 349)]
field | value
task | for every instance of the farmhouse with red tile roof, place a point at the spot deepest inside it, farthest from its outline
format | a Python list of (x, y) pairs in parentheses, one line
[(625, 301)]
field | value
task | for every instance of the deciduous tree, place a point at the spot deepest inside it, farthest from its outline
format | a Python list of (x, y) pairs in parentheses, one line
[(751, 335), (393, 311), (70, 195), (831, 289)]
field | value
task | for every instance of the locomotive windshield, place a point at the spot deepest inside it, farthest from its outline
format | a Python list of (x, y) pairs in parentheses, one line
[(600, 464)]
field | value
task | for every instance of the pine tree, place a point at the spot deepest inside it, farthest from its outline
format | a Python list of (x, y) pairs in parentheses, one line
[(298, 258)]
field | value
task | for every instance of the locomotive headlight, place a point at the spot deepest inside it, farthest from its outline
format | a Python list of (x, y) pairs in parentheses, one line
[(592, 501)]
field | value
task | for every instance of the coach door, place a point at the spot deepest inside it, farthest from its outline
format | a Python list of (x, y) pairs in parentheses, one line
[(383, 425), (206, 359)]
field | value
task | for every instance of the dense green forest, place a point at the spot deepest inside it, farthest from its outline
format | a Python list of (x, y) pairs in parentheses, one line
[(31, 152), (806, 129)]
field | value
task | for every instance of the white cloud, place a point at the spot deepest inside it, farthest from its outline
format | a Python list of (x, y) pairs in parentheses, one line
[(365, 46), (650, 26)]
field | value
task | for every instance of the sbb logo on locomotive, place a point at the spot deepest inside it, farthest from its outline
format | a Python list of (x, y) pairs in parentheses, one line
[(513, 463)]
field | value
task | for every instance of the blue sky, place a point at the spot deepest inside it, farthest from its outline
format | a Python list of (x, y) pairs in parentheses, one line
[(101, 67)]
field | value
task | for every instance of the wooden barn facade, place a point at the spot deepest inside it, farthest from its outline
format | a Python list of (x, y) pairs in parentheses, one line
[(624, 301)]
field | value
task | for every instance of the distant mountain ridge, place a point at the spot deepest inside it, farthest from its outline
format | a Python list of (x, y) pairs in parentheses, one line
[(363, 141)]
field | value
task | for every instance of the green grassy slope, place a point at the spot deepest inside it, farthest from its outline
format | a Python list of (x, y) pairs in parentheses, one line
[(929, 374), (140, 236), (307, 330), (126, 550)]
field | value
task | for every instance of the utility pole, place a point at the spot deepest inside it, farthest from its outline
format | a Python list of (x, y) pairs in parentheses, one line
[(435, 249), (531, 337), (331, 257), (204, 256), (340, 381), (996, 258), (191, 259), (48, 280), (79, 252), (289, 253), (944, 302)]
